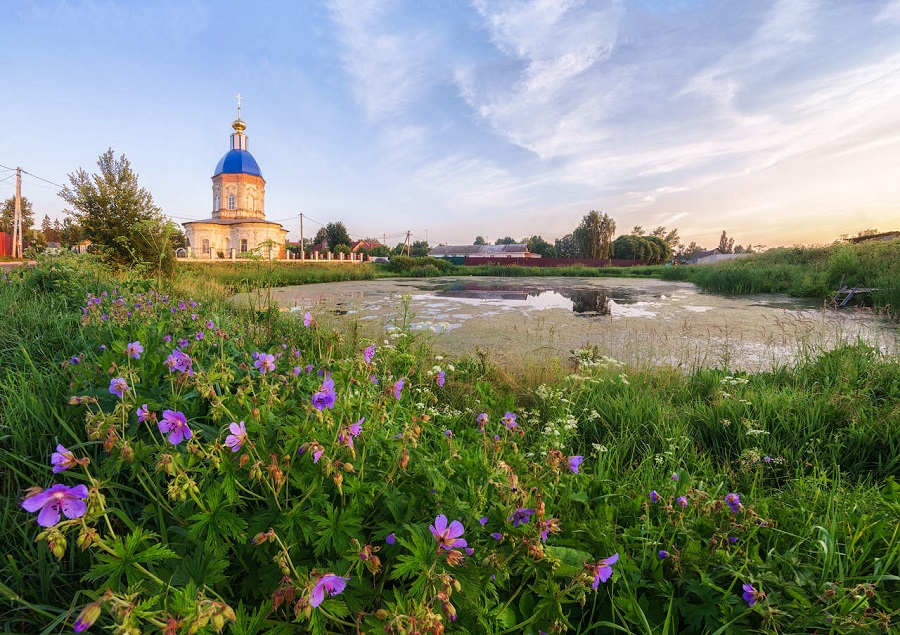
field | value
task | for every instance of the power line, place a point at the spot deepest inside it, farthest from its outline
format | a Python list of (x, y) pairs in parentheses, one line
[(42, 179)]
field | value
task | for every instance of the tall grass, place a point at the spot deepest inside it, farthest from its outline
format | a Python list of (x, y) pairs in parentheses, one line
[(814, 448)]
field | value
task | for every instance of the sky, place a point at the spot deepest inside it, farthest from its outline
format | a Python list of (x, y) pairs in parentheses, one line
[(776, 121)]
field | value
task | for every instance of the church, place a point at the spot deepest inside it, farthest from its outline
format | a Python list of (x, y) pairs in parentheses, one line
[(238, 224)]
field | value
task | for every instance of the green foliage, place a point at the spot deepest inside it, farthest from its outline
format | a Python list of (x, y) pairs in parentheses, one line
[(594, 235), (8, 214), (407, 266), (236, 540), (119, 217)]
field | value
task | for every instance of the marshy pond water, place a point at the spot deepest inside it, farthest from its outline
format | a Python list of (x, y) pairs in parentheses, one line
[(637, 321)]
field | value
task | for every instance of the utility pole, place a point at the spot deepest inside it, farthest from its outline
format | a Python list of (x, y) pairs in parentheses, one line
[(17, 219), (302, 248), (408, 251)]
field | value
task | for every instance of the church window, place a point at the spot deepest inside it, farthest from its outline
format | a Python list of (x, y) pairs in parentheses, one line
[(216, 207), (243, 245), (252, 204), (205, 246), (231, 201)]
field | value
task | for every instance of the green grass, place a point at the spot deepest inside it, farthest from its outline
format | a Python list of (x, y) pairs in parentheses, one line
[(828, 496)]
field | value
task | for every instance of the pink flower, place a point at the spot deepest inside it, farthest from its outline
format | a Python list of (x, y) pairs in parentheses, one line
[(356, 428), (62, 459), (59, 498), (307, 319), (398, 388), (175, 423), (238, 436), (603, 569), (134, 350), (265, 363), (369, 354), (328, 583), (441, 378), (118, 387), (448, 537)]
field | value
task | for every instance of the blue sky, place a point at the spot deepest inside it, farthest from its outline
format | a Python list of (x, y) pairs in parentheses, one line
[(778, 122)]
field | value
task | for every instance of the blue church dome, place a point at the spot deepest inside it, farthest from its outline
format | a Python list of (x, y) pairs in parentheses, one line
[(238, 162)]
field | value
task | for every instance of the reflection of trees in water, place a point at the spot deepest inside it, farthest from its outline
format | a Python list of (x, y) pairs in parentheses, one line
[(588, 300), (595, 301)]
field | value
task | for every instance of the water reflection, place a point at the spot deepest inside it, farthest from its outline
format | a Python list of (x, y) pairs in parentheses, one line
[(594, 301)]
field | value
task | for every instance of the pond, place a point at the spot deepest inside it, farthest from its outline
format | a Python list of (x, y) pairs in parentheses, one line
[(521, 321)]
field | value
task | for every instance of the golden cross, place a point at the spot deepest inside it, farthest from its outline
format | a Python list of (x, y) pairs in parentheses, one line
[(239, 105)]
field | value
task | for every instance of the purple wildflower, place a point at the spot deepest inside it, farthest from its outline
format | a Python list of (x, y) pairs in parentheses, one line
[(481, 420), (238, 436), (325, 397), (175, 424), (440, 379), (574, 462), (74, 360), (373, 378), (134, 350), (265, 363), (448, 434), (398, 388), (751, 595), (390, 538), (62, 459), (521, 516), (59, 498), (317, 454), (118, 387), (307, 319), (663, 554), (328, 583), (509, 420), (143, 413), (356, 428), (734, 502), (732, 539), (447, 536), (369, 354), (497, 535), (483, 520), (198, 335), (674, 476), (654, 496), (167, 339), (181, 362), (182, 343), (682, 500), (603, 570), (210, 324)]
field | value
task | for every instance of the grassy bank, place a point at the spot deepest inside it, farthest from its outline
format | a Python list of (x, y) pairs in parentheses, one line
[(808, 272), (603, 499), (254, 274)]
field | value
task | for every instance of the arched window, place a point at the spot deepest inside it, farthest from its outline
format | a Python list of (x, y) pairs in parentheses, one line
[(231, 201), (216, 206), (205, 245), (252, 206), (243, 245)]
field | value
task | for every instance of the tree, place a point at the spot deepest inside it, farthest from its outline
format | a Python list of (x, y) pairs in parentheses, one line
[(567, 247), (70, 233), (8, 215), (420, 248), (538, 245), (118, 216), (726, 244), (594, 235), (337, 235), (506, 240), (637, 230), (671, 238), (690, 251), (479, 240), (50, 230)]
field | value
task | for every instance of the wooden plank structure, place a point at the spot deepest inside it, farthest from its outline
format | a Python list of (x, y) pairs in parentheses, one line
[(846, 295)]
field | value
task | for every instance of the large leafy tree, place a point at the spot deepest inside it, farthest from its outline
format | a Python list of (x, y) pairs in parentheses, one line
[(537, 245), (594, 235), (118, 216), (8, 215), (726, 244), (479, 240)]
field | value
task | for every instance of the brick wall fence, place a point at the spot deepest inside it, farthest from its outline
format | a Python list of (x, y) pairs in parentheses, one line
[(554, 262)]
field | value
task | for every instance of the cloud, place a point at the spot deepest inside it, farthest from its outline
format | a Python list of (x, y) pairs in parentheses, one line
[(387, 59)]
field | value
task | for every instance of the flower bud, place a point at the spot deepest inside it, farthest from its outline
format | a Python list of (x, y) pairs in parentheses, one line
[(86, 538), (339, 481), (87, 617), (57, 544)]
